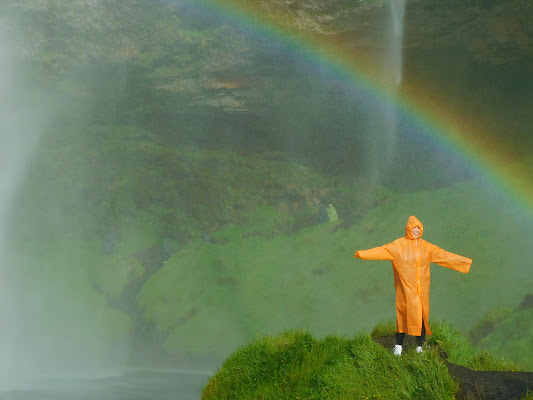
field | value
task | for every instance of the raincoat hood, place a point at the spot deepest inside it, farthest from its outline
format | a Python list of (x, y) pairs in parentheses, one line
[(411, 223)]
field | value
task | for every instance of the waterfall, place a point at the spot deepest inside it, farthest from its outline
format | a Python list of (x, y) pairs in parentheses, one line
[(397, 15), (382, 134), (393, 73), (52, 322), (18, 135)]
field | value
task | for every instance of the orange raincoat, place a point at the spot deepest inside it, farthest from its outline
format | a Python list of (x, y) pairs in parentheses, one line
[(410, 263)]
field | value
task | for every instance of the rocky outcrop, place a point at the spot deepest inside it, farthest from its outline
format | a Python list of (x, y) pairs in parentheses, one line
[(224, 68), (201, 60), (526, 304), (473, 384), (496, 32)]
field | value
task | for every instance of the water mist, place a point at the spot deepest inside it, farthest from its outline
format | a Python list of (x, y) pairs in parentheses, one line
[(397, 16), (18, 134), (383, 132), (52, 323)]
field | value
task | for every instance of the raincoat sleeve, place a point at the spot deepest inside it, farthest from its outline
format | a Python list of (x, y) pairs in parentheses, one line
[(377, 253), (449, 260)]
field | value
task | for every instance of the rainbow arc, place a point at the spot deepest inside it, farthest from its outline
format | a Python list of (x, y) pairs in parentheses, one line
[(443, 122)]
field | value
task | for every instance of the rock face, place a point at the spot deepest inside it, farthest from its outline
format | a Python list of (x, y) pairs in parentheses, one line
[(194, 73), (495, 31), (527, 303), (210, 63)]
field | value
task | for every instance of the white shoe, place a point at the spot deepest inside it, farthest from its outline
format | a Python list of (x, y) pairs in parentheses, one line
[(419, 349), (397, 350)]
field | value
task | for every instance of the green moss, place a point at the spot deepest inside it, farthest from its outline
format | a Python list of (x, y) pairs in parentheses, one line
[(295, 365)]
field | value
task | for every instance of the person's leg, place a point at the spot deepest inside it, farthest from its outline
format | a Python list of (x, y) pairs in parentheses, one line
[(399, 340), (400, 337), (420, 339)]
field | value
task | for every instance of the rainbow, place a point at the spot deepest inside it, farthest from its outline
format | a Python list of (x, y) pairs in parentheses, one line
[(442, 121)]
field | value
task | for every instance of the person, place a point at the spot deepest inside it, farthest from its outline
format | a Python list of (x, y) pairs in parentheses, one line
[(410, 257)]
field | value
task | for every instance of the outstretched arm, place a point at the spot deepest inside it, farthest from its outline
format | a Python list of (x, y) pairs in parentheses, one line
[(377, 253), (451, 260)]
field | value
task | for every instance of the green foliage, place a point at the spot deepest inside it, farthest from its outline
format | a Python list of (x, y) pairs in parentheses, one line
[(236, 271), (118, 174), (271, 266), (256, 279), (294, 365)]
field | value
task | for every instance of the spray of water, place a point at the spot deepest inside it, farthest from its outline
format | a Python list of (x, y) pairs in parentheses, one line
[(48, 326), (383, 132), (397, 16), (18, 136)]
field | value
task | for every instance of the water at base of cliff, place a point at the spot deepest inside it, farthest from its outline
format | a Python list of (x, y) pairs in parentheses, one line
[(131, 384)]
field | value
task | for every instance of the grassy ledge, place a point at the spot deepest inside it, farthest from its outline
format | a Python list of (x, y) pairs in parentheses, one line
[(295, 365)]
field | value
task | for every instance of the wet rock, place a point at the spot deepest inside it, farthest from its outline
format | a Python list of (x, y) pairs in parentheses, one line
[(526, 304), (476, 385), (490, 385), (323, 216)]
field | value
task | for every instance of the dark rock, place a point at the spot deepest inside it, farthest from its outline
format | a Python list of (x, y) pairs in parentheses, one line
[(476, 385), (490, 385), (526, 304), (323, 216)]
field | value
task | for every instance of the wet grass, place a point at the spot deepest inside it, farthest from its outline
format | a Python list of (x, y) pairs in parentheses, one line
[(295, 365)]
